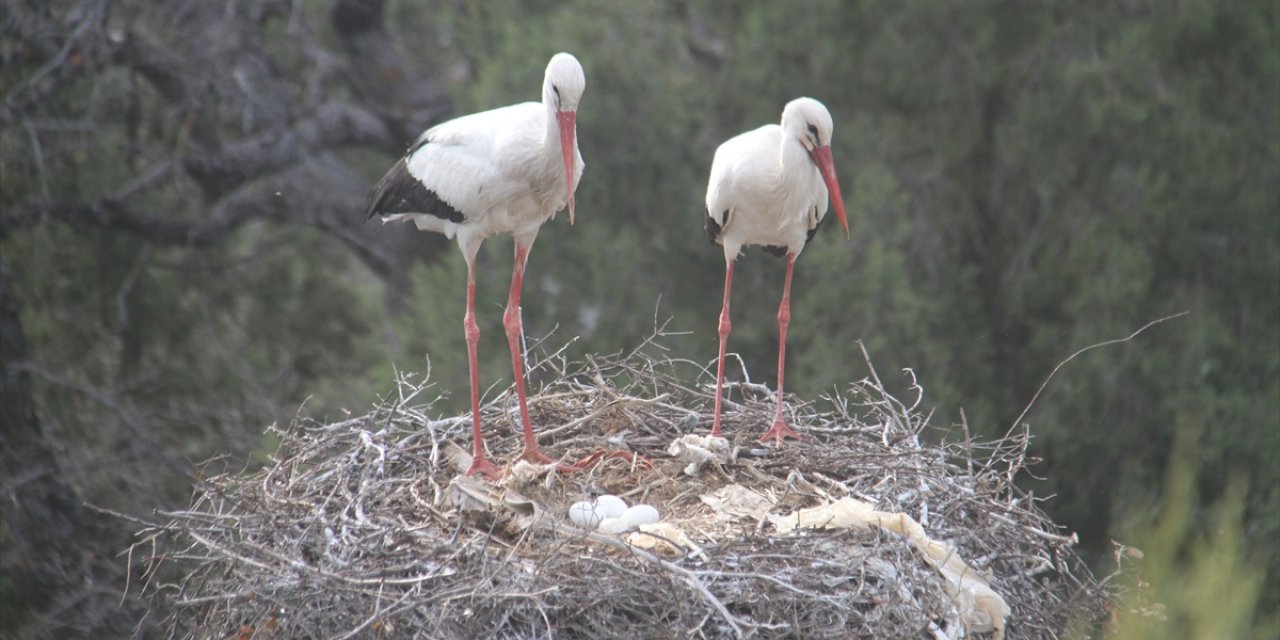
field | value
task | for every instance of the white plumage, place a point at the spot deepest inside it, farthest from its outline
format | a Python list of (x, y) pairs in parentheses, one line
[(507, 170), (501, 169), (770, 187)]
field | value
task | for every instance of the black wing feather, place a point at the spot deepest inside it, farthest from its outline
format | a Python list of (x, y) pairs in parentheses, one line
[(713, 228), (400, 192), (814, 230)]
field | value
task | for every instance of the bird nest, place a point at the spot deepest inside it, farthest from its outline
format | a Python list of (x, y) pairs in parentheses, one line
[(366, 527)]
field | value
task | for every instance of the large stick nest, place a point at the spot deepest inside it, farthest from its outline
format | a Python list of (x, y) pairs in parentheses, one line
[(365, 527)]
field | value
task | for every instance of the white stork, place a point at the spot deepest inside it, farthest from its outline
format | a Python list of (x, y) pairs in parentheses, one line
[(769, 187), (507, 170)]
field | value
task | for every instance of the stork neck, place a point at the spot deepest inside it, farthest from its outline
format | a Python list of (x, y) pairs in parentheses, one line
[(793, 156), (551, 133)]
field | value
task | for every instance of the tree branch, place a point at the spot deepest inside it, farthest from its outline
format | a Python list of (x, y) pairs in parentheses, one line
[(117, 216), (406, 98), (333, 124)]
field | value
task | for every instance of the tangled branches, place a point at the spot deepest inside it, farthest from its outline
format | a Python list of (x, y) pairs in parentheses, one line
[(362, 528)]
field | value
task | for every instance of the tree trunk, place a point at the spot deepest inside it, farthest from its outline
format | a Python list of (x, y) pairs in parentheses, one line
[(54, 548)]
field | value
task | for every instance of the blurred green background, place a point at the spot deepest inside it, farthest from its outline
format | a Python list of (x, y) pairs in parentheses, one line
[(183, 251)]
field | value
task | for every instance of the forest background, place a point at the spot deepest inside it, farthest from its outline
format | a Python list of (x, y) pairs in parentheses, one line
[(183, 261)]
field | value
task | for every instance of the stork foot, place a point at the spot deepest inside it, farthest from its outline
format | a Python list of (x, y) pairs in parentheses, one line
[(778, 432), (586, 463), (533, 454), (481, 466)]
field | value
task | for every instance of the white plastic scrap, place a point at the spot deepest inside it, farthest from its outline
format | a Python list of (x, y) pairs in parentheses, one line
[(664, 538), (735, 500), (697, 451), (980, 607)]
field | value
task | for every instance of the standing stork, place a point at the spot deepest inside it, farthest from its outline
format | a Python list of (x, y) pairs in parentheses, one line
[(769, 187), (507, 170)]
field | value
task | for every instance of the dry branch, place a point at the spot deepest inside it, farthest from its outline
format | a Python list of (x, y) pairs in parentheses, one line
[(360, 527)]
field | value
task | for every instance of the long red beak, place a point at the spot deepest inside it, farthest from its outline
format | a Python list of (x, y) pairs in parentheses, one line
[(568, 150), (822, 157)]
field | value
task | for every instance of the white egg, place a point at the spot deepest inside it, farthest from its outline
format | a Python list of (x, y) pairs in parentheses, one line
[(589, 515), (613, 525), (610, 506), (584, 514), (630, 519), (638, 515)]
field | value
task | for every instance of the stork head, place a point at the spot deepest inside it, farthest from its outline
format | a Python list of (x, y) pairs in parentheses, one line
[(562, 89), (809, 121)]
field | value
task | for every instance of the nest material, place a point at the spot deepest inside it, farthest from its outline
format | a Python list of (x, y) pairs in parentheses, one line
[(363, 527)]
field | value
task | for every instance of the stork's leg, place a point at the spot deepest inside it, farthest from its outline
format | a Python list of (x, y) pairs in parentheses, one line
[(780, 430), (479, 464), (725, 326), (515, 340)]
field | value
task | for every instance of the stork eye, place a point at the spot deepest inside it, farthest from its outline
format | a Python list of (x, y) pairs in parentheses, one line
[(556, 90), (813, 131)]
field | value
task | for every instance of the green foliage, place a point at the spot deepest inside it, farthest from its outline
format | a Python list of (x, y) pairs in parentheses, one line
[(1197, 577), (148, 344)]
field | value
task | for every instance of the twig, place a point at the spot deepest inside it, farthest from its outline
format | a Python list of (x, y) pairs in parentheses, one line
[(378, 612), (1052, 537), (352, 520), (1077, 353), (689, 577)]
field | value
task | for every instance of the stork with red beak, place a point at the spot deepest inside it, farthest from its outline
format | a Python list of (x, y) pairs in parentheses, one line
[(507, 170), (770, 187)]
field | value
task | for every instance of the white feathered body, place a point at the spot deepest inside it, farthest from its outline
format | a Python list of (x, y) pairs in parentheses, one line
[(497, 171), (501, 169), (764, 192)]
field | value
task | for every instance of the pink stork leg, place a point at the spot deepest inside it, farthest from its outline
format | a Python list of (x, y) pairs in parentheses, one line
[(780, 430), (725, 326), (515, 340), (479, 464)]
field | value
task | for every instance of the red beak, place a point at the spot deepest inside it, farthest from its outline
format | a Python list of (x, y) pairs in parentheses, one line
[(822, 157), (568, 150)]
